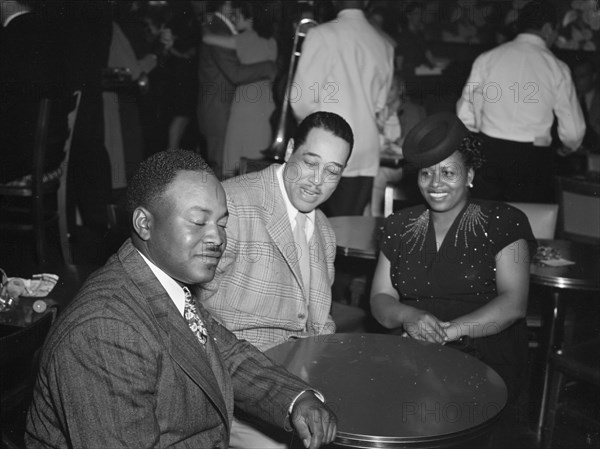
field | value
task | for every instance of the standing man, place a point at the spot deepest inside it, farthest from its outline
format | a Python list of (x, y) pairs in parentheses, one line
[(346, 67), (219, 72), (511, 97), (136, 361), (274, 280)]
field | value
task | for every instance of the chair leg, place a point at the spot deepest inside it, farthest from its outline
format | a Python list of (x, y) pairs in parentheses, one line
[(552, 408)]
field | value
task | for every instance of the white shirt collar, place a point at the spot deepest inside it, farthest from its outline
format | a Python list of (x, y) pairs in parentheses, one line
[(351, 13), (291, 210), (532, 39), (174, 290), (13, 16), (228, 22)]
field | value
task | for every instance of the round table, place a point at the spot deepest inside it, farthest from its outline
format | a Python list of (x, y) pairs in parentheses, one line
[(390, 391), (583, 275)]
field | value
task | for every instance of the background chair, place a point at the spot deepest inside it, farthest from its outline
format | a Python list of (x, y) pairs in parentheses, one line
[(392, 194), (542, 218), (39, 187), (19, 349), (580, 365), (579, 212)]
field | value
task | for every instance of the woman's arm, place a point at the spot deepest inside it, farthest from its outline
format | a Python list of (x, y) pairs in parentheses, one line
[(512, 284), (391, 313), (219, 41)]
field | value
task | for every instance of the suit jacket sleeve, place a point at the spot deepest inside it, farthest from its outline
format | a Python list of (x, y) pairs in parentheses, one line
[(112, 371), (261, 388), (236, 72)]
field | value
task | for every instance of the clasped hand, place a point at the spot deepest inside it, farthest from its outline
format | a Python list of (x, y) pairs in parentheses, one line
[(315, 424), (422, 325)]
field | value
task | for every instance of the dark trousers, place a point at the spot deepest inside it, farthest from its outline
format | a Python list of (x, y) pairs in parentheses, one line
[(350, 197), (515, 171)]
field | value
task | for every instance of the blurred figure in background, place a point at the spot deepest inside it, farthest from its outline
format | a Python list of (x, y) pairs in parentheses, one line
[(587, 86), (173, 36), (346, 67), (248, 129), (511, 97), (398, 117), (219, 71)]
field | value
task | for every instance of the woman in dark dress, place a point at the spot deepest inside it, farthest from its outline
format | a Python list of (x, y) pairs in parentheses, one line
[(456, 270)]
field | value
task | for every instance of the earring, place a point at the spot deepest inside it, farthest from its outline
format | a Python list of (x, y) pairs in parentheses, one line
[(470, 185)]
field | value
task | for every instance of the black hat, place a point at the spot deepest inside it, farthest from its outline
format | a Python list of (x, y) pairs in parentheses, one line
[(434, 139)]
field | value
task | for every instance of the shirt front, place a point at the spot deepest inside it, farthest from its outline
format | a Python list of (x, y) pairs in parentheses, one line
[(291, 210), (174, 290), (514, 91)]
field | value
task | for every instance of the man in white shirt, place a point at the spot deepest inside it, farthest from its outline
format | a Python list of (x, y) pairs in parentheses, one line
[(136, 361), (346, 67), (511, 97)]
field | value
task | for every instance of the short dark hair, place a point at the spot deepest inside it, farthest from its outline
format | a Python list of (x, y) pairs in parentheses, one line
[(324, 120), (154, 175), (261, 15), (536, 14)]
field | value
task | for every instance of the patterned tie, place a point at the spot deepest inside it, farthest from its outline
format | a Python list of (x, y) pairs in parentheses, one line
[(193, 319), (303, 253)]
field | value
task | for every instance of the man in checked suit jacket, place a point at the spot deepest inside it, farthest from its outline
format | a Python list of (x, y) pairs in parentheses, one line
[(121, 367), (258, 292)]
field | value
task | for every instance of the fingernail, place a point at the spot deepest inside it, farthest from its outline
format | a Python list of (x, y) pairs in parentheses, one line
[(306, 442)]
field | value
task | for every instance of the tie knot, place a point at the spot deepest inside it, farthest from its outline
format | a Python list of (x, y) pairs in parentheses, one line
[(188, 294)]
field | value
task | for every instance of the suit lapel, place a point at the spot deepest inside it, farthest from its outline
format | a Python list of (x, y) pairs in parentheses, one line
[(182, 344), (278, 222)]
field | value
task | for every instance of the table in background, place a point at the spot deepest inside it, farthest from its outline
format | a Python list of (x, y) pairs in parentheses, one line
[(70, 279), (584, 275), (389, 391)]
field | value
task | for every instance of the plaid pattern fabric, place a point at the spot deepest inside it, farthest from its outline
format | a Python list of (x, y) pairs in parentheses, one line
[(191, 315)]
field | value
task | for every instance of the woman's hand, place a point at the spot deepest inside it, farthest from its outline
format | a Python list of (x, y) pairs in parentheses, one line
[(452, 330), (422, 325)]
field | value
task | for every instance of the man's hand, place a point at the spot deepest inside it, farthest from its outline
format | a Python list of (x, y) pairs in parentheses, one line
[(313, 421)]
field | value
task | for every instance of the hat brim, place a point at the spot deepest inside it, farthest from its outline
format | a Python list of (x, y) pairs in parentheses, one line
[(434, 139)]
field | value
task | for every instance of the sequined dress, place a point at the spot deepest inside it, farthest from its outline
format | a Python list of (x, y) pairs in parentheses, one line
[(461, 276)]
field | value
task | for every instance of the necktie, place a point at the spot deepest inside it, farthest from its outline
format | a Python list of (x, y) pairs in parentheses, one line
[(190, 313), (303, 253)]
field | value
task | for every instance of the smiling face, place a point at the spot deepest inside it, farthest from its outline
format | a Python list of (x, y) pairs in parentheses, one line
[(313, 170), (183, 231), (445, 185)]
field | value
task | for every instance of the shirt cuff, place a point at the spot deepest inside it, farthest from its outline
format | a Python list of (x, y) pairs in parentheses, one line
[(318, 394)]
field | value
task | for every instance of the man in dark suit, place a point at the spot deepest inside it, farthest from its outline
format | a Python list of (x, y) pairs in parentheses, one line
[(136, 361), (219, 72)]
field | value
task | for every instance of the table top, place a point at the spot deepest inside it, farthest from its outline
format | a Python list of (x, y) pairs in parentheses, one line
[(583, 275), (391, 391), (357, 236)]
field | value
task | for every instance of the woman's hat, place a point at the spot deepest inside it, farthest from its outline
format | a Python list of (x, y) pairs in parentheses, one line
[(434, 139)]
